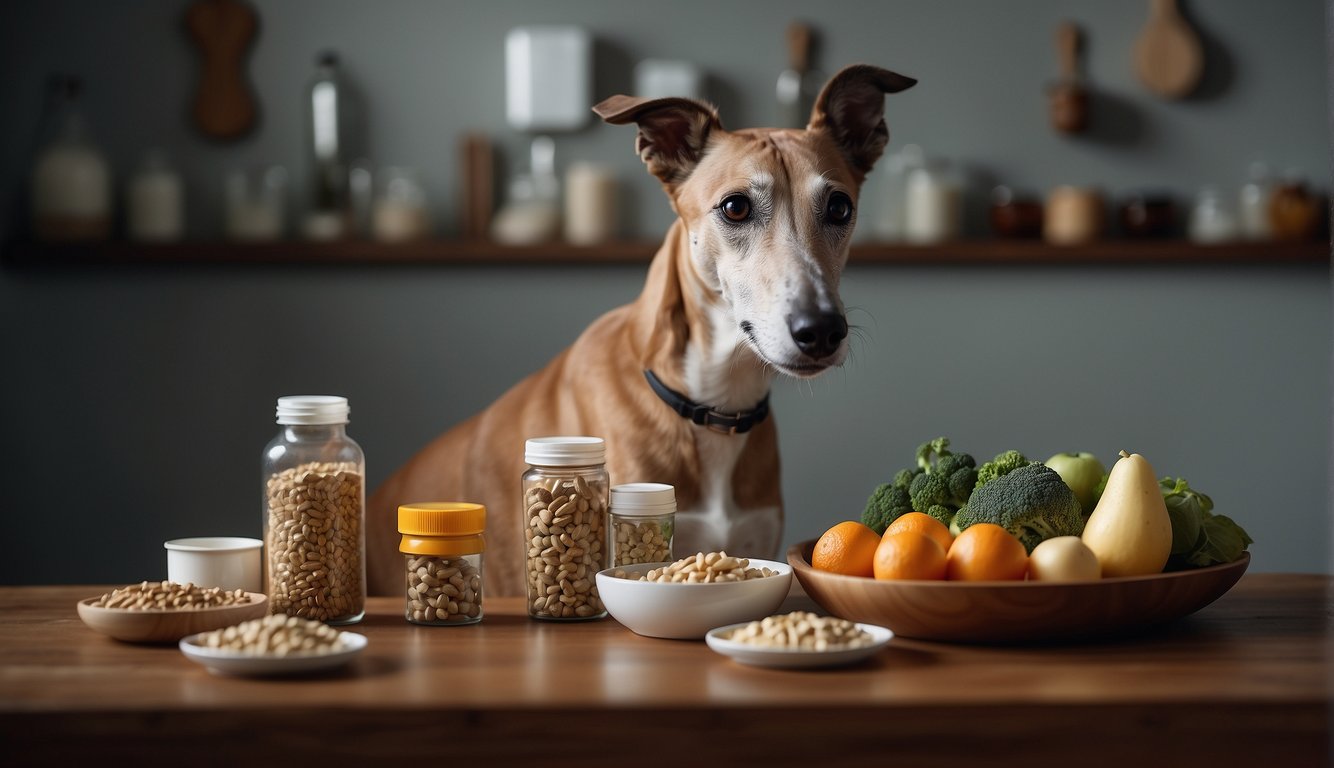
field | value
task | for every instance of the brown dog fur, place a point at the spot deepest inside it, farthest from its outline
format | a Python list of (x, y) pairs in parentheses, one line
[(701, 273)]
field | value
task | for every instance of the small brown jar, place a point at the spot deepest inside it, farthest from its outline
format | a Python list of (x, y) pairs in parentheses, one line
[(1148, 216), (1014, 217)]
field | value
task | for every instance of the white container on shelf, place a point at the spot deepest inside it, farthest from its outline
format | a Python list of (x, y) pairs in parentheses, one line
[(1211, 219), (933, 204), (155, 201), (1253, 211), (591, 210)]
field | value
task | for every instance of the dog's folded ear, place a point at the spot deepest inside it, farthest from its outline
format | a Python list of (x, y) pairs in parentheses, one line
[(672, 131), (851, 107)]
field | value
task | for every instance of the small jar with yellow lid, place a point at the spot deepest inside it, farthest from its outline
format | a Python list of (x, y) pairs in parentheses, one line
[(442, 549)]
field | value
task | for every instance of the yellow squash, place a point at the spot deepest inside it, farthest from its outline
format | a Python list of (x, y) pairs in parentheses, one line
[(1129, 530)]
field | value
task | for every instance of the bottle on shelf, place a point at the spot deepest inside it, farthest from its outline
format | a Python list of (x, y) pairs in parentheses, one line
[(71, 181)]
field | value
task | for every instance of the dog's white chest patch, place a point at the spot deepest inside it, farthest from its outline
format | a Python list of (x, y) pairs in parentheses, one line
[(718, 520)]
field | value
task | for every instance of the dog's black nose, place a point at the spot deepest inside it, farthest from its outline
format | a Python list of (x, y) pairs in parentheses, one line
[(818, 334)]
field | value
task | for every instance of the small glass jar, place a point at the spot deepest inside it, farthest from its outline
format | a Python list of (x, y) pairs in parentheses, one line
[(442, 549), (565, 525), (314, 513), (401, 214), (1212, 219), (643, 521)]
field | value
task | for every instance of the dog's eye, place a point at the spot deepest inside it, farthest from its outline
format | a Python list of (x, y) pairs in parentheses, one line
[(839, 208), (736, 207)]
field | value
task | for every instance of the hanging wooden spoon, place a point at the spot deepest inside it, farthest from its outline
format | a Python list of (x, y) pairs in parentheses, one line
[(1169, 57), (224, 107), (1069, 99)]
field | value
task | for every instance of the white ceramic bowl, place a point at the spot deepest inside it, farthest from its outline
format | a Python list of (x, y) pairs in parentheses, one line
[(229, 562), (689, 611)]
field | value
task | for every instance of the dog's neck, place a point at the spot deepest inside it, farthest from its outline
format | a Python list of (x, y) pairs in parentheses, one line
[(688, 336)]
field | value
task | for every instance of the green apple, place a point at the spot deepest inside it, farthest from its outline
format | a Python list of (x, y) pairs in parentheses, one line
[(1082, 472)]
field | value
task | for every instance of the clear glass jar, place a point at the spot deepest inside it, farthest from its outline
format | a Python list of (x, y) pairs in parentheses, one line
[(401, 212), (314, 513), (643, 521), (442, 549), (564, 522)]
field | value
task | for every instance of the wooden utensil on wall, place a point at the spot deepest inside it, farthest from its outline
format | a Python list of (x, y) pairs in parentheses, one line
[(224, 107), (1069, 99), (1169, 57)]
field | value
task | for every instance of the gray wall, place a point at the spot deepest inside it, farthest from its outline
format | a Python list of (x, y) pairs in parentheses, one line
[(136, 400)]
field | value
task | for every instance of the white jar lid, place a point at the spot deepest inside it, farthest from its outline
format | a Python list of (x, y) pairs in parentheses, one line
[(565, 451), (312, 409), (643, 499)]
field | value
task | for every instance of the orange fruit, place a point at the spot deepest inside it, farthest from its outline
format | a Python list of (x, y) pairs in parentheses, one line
[(923, 523), (847, 548), (986, 552), (909, 555)]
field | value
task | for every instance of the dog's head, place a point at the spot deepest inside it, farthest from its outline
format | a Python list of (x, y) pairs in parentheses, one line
[(771, 211)]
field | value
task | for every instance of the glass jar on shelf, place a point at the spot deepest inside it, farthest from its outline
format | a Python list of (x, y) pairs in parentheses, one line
[(400, 212), (314, 513), (71, 180), (1212, 220)]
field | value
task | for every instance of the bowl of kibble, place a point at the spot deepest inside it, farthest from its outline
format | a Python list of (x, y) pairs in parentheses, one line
[(165, 611), (687, 598)]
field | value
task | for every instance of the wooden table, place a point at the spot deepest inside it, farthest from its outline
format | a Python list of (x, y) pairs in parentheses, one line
[(1246, 681)]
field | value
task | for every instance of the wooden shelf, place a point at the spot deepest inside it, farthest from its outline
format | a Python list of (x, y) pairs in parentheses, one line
[(430, 252)]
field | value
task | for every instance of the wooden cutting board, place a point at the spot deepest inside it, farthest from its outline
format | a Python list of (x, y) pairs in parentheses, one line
[(224, 107), (1169, 57)]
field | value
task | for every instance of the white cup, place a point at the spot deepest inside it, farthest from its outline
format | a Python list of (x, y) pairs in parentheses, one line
[(228, 562)]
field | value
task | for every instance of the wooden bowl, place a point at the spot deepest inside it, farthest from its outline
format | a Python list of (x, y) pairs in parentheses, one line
[(1015, 611), (168, 626)]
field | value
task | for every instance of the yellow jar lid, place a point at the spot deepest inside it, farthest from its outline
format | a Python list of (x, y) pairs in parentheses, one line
[(442, 518), (442, 528)]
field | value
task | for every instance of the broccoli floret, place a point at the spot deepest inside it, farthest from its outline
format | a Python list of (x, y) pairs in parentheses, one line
[(887, 503), (904, 477), (1031, 502), (1003, 464), (944, 486)]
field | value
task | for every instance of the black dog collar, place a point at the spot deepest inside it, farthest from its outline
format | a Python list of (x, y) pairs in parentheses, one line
[(726, 423)]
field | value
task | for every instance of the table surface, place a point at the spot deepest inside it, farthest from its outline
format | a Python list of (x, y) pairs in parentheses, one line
[(1247, 678)]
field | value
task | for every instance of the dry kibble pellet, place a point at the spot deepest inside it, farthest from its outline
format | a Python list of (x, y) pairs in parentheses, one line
[(170, 596), (643, 542), (443, 590), (314, 541), (702, 568), (564, 528), (801, 630), (275, 635)]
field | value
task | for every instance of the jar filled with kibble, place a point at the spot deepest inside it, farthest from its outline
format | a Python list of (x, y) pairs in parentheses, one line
[(314, 513), (442, 549), (564, 524), (643, 519)]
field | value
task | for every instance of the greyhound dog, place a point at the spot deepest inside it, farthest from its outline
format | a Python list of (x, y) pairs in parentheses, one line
[(745, 286)]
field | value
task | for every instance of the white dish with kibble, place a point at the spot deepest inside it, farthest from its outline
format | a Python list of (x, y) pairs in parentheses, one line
[(798, 640), (271, 646), (685, 599)]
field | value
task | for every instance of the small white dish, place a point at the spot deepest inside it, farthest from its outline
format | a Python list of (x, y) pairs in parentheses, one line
[(227, 562), (227, 662), (791, 658)]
